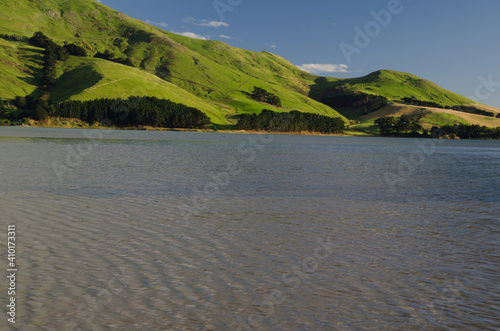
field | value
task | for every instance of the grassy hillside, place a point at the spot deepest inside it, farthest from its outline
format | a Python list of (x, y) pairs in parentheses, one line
[(217, 78), (87, 79), (20, 64), (433, 116), (208, 75), (393, 85)]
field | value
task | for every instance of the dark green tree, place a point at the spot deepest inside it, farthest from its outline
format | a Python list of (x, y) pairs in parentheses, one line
[(75, 50), (294, 121), (39, 39), (262, 95), (125, 61), (20, 102), (41, 113), (415, 125), (403, 124), (387, 125), (2, 109), (107, 55)]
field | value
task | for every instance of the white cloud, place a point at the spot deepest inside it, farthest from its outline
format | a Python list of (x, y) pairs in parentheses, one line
[(162, 24), (207, 23), (271, 46), (189, 19), (316, 68), (228, 37), (213, 24), (192, 35)]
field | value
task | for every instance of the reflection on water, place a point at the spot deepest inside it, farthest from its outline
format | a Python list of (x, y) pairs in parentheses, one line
[(301, 233)]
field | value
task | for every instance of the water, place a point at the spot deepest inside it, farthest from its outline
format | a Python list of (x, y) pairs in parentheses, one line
[(134, 230)]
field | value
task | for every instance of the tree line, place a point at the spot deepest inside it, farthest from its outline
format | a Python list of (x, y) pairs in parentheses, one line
[(474, 110), (405, 125), (14, 37), (262, 95), (410, 127), (107, 55), (466, 109), (413, 101), (293, 121), (466, 131), (52, 54), (134, 111), (356, 100)]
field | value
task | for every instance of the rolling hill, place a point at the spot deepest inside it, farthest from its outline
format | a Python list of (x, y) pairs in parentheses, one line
[(393, 85), (209, 75)]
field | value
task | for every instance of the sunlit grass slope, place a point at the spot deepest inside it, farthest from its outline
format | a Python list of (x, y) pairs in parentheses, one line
[(217, 77), (19, 67), (393, 85), (88, 78)]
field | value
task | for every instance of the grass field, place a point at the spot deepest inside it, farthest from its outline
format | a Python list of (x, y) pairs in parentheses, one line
[(442, 119), (365, 127)]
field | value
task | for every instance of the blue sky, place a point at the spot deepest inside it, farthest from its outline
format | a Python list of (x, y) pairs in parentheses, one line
[(454, 43)]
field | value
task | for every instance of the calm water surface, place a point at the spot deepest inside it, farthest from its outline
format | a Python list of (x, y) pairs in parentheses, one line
[(134, 230)]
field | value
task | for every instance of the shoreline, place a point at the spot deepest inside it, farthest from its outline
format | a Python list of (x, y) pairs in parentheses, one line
[(158, 129), (70, 123), (76, 124)]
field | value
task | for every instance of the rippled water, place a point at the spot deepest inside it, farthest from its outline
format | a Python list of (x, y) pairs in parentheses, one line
[(122, 230)]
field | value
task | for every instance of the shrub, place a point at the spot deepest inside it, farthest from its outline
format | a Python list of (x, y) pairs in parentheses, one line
[(262, 95)]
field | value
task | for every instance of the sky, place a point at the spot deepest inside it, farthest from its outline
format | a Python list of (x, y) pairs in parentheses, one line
[(453, 43)]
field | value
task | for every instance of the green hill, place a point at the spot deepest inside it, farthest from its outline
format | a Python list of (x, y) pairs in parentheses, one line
[(87, 79), (393, 85), (208, 75)]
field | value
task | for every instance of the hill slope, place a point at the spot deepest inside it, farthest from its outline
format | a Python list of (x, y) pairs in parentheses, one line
[(20, 64), (393, 85), (208, 75), (87, 79), (434, 116), (217, 77)]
